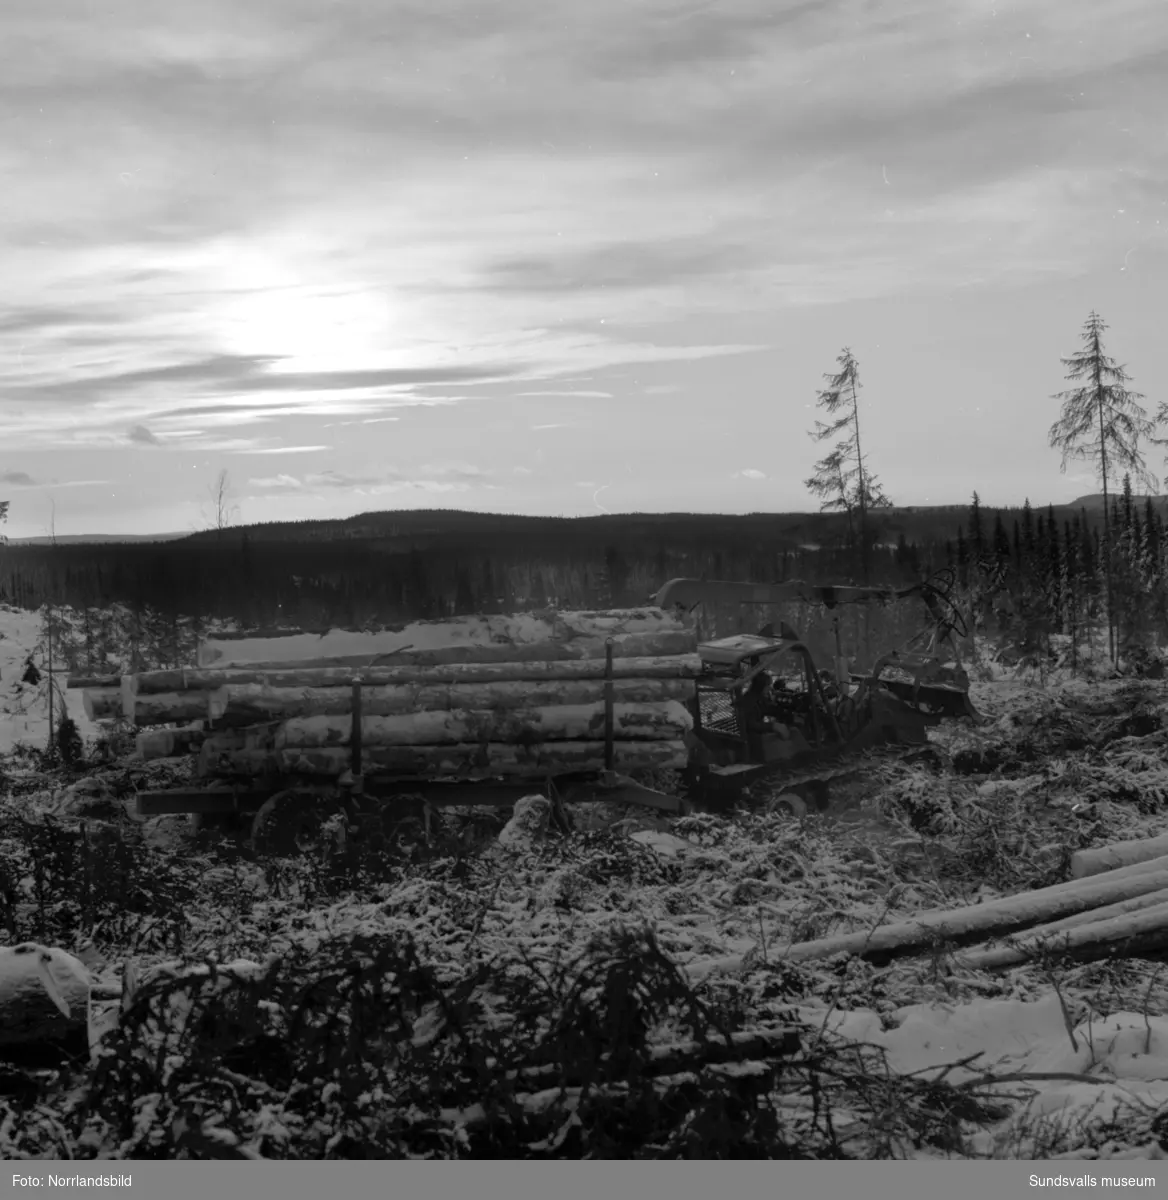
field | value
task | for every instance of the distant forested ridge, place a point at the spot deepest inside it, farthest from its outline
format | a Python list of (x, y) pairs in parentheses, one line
[(424, 564)]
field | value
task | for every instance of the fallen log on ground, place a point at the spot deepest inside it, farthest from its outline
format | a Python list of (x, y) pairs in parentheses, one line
[(251, 702), (454, 633), (464, 761), (634, 645), (973, 923), (169, 743), (581, 722), (1028, 943), (1133, 934), (299, 675), (102, 704), (1119, 854)]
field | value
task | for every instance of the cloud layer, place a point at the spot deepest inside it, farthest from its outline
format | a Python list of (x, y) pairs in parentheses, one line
[(539, 238)]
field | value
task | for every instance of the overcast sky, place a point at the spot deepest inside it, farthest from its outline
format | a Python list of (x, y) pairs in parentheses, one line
[(561, 257)]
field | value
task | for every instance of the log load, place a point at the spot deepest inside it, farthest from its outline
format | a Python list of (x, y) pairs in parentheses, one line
[(460, 634), (247, 703), (463, 761), (300, 675), (522, 726), (102, 703), (170, 743)]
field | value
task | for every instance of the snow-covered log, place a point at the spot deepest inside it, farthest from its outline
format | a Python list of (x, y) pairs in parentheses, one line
[(301, 675), (93, 681), (976, 922), (1119, 854), (633, 645), (464, 761), (1032, 942), (44, 993), (250, 702), (168, 743), (102, 704), (461, 634), (579, 722), (162, 708)]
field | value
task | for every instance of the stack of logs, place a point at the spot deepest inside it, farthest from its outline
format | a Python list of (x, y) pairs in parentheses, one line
[(1114, 905), (518, 696)]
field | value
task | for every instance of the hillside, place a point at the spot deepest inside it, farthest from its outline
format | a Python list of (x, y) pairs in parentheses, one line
[(917, 523)]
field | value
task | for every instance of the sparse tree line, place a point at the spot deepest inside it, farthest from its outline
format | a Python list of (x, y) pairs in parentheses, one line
[(1057, 575)]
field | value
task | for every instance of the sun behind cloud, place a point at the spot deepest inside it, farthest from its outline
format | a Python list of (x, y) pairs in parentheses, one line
[(287, 308)]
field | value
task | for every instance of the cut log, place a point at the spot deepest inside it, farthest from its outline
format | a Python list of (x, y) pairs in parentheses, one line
[(102, 704), (93, 681), (1027, 944), (659, 721), (163, 708), (250, 702), (1131, 934), (170, 743), (964, 925), (678, 666), (456, 633), (1119, 854), (464, 761), (633, 645)]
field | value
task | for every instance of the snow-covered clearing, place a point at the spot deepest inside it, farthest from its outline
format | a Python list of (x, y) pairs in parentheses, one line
[(482, 988), (24, 707)]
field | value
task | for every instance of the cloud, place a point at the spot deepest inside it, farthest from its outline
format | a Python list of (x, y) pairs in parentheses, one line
[(18, 479), (572, 395), (141, 436), (440, 476), (750, 473), (34, 319), (554, 425), (276, 481), (283, 450), (619, 265)]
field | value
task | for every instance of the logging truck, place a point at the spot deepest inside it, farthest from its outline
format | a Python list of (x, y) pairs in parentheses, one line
[(485, 710)]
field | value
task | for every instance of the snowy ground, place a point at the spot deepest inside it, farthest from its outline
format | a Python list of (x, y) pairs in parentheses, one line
[(24, 708), (1034, 1061)]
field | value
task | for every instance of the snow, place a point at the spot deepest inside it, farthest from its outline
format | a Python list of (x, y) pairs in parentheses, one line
[(1120, 1059), (518, 629), (24, 708)]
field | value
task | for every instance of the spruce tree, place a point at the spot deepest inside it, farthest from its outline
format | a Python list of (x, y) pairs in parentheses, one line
[(1001, 540), (842, 478), (1102, 423), (976, 532)]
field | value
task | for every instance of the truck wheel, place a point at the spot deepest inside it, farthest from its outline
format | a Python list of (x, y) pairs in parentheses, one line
[(288, 822), (789, 803)]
